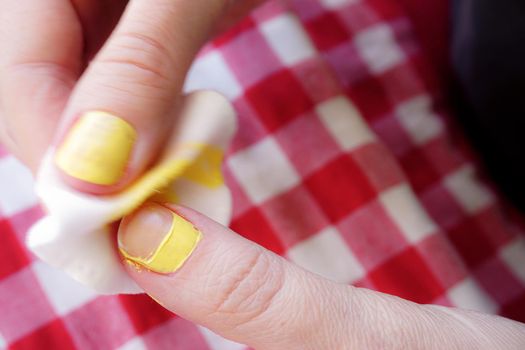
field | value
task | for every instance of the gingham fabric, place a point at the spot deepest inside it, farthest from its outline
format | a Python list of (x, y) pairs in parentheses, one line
[(343, 163)]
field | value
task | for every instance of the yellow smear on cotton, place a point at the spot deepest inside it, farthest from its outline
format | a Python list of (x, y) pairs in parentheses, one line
[(97, 148), (176, 247)]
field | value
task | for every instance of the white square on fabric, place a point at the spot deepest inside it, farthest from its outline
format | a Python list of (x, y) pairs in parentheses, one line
[(212, 72), (333, 4), (134, 344), (402, 205), (467, 294), (328, 255), (287, 38), (471, 194), (216, 342), (378, 48), (16, 187), (64, 293), (514, 257), (416, 116), (345, 123), (263, 170)]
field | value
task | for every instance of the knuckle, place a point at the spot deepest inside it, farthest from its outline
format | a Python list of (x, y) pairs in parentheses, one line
[(140, 59), (249, 291)]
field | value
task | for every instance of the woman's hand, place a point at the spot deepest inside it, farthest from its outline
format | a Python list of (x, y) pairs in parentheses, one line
[(61, 59), (208, 274)]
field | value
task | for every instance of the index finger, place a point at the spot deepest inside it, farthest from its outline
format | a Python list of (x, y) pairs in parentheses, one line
[(40, 56)]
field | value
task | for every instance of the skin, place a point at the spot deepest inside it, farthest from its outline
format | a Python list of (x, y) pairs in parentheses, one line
[(45, 82)]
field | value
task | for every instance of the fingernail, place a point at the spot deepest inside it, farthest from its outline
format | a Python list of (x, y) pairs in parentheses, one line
[(97, 148), (157, 238)]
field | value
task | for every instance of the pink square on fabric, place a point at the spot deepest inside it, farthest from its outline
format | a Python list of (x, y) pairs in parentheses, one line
[(372, 235), (24, 305), (498, 281), (307, 9), (269, 10), (347, 64), (252, 128), (358, 16), (442, 206), (442, 259), (401, 83), (380, 167), (495, 226), (295, 216), (92, 327), (392, 134), (177, 334), (250, 58), (317, 79), (22, 221), (307, 143)]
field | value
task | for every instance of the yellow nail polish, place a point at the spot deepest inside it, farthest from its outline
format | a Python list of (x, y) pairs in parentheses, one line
[(162, 252), (97, 148)]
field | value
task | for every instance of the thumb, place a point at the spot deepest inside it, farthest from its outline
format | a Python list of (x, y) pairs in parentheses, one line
[(118, 113), (208, 274)]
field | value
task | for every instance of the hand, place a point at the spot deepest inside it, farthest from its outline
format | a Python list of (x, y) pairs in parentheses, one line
[(142, 51), (208, 274)]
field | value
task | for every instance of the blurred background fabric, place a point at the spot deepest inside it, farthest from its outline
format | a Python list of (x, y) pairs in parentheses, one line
[(349, 161)]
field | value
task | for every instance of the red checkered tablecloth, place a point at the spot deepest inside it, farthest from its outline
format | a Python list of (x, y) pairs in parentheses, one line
[(344, 162)]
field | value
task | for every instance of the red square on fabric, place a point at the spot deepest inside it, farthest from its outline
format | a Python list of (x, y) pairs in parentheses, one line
[(307, 143), (419, 170), (381, 169), (358, 16), (498, 281), (250, 58), (255, 227), (13, 256), (471, 243), (317, 79), (442, 259), (144, 312), (100, 324), (515, 310), (407, 276), (24, 306), (294, 215), (495, 226), (347, 64), (370, 97), (442, 206), (51, 336), (278, 99), (387, 10), (372, 235), (340, 187), (177, 334), (327, 31)]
